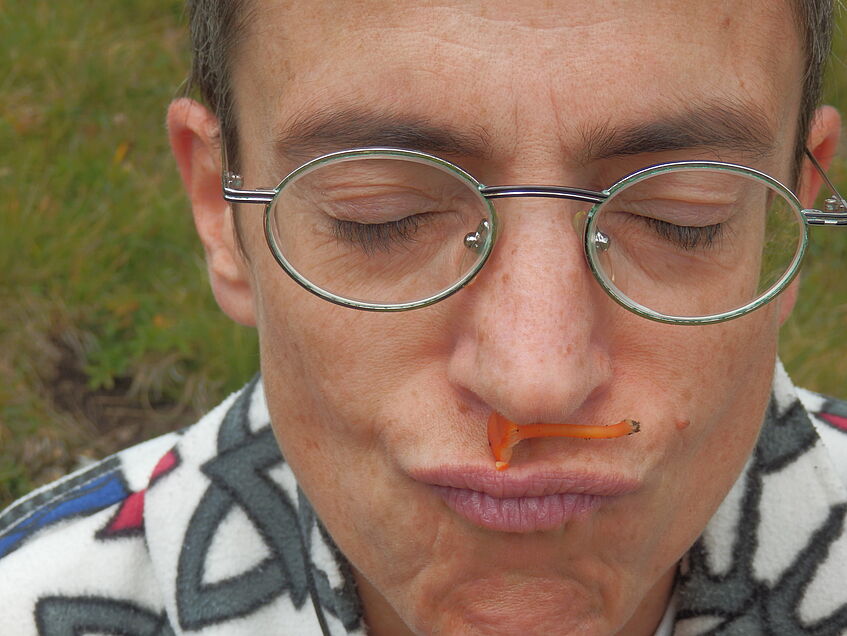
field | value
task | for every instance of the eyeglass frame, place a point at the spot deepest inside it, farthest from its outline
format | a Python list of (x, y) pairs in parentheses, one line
[(834, 214)]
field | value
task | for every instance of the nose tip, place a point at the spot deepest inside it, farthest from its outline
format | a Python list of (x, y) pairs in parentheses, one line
[(551, 387)]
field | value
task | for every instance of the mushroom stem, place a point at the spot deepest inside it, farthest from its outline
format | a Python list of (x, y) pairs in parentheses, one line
[(504, 434)]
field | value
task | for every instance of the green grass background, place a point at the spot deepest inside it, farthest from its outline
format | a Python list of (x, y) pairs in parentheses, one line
[(103, 296)]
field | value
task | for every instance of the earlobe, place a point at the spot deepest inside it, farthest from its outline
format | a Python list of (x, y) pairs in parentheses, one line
[(195, 143)]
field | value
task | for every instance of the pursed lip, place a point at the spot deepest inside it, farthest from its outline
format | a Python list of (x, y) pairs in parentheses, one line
[(516, 482), (522, 501)]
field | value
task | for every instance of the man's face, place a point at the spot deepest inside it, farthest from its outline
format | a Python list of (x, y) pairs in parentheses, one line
[(383, 416)]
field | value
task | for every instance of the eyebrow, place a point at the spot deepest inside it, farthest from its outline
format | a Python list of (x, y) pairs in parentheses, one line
[(720, 125), (328, 130)]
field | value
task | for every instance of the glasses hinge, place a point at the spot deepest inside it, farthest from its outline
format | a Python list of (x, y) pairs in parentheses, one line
[(834, 204), (232, 180)]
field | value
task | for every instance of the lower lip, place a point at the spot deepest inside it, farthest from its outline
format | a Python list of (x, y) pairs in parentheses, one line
[(517, 514)]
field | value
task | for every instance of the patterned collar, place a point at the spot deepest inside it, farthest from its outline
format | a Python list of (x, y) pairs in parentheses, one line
[(772, 559)]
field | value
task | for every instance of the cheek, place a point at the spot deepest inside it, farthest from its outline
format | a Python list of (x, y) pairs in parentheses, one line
[(698, 371), (336, 381), (713, 388), (344, 363)]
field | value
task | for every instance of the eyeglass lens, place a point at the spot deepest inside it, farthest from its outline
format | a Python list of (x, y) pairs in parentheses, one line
[(697, 242), (383, 229), (379, 229)]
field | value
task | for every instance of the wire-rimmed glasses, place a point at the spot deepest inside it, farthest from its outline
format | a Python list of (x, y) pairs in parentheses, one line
[(388, 229)]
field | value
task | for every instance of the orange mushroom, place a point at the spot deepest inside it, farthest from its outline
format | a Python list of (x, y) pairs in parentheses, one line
[(504, 434)]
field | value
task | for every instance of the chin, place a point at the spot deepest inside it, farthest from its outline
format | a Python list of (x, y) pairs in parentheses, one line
[(505, 606)]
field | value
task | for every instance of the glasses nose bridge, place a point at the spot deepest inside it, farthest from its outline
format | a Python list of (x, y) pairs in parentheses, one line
[(561, 193), (543, 191)]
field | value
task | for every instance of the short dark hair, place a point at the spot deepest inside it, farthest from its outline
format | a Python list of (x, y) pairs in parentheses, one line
[(217, 26)]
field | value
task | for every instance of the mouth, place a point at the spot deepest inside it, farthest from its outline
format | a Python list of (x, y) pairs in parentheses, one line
[(525, 501)]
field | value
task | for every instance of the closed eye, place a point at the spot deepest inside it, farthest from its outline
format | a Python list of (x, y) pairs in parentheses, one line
[(686, 237), (373, 237)]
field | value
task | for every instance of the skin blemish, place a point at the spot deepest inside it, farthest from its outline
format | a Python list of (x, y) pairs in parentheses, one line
[(681, 425)]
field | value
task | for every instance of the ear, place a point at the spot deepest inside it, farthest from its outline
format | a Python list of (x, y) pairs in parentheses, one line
[(195, 141), (823, 144)]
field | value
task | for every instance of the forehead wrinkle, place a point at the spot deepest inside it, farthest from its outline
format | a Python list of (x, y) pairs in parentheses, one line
[(720, 124)]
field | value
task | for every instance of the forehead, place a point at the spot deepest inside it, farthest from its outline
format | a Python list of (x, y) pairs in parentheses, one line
[(521, 72)]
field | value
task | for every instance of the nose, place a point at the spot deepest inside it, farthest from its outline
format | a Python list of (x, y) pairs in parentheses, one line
[(531, 339)]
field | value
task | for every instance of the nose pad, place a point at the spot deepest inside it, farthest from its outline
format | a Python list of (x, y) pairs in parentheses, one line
[(475, 240), (475, 243), (602, 242), (579, 220)]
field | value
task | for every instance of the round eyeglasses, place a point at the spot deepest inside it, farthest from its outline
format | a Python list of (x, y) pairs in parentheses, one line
[(388, 229)]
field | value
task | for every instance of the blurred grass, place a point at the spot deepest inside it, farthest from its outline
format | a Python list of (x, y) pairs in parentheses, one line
[(108, 332), (813, 344), (101, 271)]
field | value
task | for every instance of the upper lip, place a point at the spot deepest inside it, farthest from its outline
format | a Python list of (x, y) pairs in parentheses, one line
[(527, 483)]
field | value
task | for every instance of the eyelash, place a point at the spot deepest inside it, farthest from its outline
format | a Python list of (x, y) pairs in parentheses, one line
[(684, 236), (382, 236), (377, 236)]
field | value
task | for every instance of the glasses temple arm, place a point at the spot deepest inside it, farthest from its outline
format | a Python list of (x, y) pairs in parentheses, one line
[(234, 194), (840, 200)]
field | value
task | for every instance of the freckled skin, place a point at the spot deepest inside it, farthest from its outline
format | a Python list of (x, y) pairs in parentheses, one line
[(358, 399)]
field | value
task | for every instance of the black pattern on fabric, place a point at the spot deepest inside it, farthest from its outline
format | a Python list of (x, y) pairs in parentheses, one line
[(238, 475), (739, 602), (76, 616), (784, 438)]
